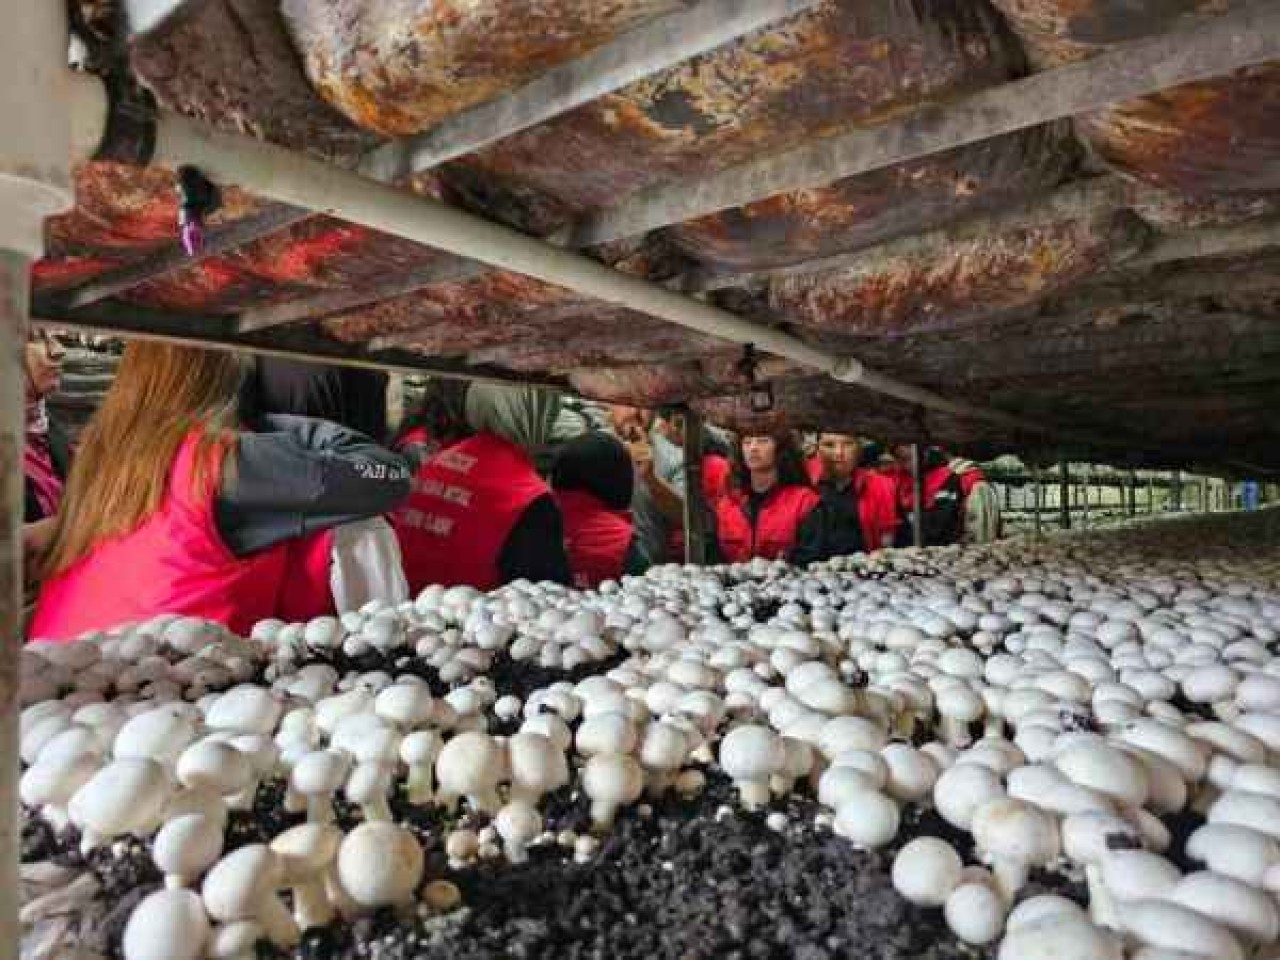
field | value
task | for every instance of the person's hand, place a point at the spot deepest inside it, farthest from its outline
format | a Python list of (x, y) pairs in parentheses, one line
[(37, 538), (641, 453)]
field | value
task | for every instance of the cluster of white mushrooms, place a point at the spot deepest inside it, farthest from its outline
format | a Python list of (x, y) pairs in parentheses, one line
[(1059, 701)]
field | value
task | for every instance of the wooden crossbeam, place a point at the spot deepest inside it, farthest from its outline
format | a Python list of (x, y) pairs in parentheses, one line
[(1242, 38), (219, 240), (647, 50)]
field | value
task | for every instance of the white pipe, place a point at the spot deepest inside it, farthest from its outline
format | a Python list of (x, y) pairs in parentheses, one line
[(294, 178)]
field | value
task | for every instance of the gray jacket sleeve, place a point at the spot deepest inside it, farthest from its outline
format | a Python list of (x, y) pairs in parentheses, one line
[(295, 476)]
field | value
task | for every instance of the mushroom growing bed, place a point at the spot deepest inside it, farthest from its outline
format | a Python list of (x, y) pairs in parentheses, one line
[(1037, 749)]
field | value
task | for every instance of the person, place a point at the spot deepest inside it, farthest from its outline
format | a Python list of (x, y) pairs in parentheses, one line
[(770, 510), (632, 426), (958, 504), (352, 397), (593, 482), (479, 513), (361, 559), (439, 421), (173, 506), (46, 456), (859, 505)]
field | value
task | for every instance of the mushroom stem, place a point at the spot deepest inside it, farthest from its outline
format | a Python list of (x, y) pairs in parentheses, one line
[(781, 785), (955, 733), (1011, 876), (753, 793), (485, 802), (904, 725), (419, 784), (1102, 906), (319, 808), (277, 922), (376, 808), (603, 812), (311, 906)]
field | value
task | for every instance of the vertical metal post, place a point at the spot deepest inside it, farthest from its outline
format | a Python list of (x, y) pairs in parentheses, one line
[(1133, 492), (1175, 491), (695, 527), (1037, 496), (1205, 506), (1064, 495), (1151, 494), (917, 497), (1084, 514), (13, 314)]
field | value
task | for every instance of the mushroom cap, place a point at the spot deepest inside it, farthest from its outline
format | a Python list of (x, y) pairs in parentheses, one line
[(1245, 910), (306, 849), (167, 925), (518, 823), (608, 732), (188, 845), (975, 913), (536, 763), (379, 864), (1059, 936), (320, 771), (237, 883), (613, 778), (123, 797), (961, 789), (246, 708), (469, 763), (1137, 874), (216, 765), (1257, 811), (234, 941), (752, 752), (926, 871), (1235, 851), (404, 703), (663, 747), (159, 734), (1163, 923), (1106, 769), (867, 818), (421, 747), (1090, 835), (1013, 829), (55, 780), (840, 734)]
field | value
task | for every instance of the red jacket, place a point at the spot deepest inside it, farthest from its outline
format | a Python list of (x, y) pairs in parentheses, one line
[(877, 508), (465, 502), (815, 468), (715, 477), (596, 537), (174, 562), (773, 535)]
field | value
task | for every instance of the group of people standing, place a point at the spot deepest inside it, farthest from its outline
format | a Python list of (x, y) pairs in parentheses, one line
[(239, 491)]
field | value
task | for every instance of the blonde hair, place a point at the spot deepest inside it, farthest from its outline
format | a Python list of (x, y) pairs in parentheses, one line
[(121, 469)]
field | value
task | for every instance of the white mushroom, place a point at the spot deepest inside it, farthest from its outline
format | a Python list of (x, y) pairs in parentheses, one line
[(379, 865), (1169, 925), (470, 765), (518, 824), (926, 871), (751, 755), (611, 780), (169, 924), (317, 777), (537, 767), (126, 796), (867, 819), (419, 751), (307, 853), (1014, 836), (186, 847), (242, 886)]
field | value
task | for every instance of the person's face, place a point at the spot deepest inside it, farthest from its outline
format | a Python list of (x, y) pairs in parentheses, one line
[(759, 453), (44, 363), (902, 456), (629, 423), (672, 428), (839, 453)]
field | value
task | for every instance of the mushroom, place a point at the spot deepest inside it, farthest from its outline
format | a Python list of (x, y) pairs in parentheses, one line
[(1234, 851), (975, 913), (51, 782), (316, 777), (663, 750), (926, 871), (169, 924), (867, 818), (537, 767), (1246, 911), (1014, 836), (1172, 926), (126, 796), (245, 709), (235, 941), (186, 847), (611, 780), (1059, 936), (307, 853), (1086, 838), (470, 764), (379, 865), (242, 886), (419, 751), (368, 786), (214, 765), (751, 755), (158, 734), (517, 824), (962, 789), (958, 706)]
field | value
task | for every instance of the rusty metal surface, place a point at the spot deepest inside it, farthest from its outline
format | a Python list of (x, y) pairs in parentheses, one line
[(976, 280), (846, 63), (400, 66), (231, 63), (1201, 138)]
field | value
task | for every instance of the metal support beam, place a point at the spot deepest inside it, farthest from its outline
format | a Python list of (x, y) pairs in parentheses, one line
[(1038, 497), (1064, 495), (13, 311), (695, 527), (219, 240), (647, 50), (1175, 491), (1084, 512), (1242, 38), (917, 497), (1133, 492)]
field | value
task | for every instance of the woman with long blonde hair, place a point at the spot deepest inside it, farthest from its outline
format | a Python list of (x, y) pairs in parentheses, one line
[(175, 504)]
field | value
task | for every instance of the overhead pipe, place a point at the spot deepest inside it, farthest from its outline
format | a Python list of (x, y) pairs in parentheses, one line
[(294, 178)]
